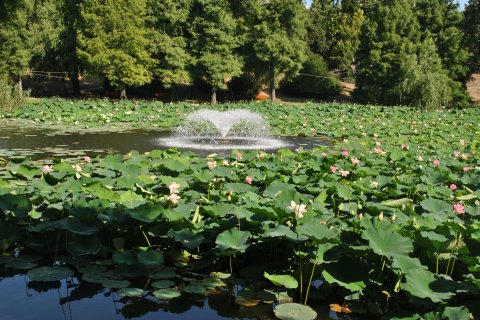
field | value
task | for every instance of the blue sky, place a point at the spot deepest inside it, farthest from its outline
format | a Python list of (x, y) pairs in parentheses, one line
[(461, 2)]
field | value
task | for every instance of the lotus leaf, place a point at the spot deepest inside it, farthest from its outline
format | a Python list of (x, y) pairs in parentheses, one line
[(49, 274), (294, 311)]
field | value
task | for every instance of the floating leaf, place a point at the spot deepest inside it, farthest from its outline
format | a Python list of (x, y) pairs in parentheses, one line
[(294, 311), (162, 284), (49, 273), (130, 292), (166, 294)]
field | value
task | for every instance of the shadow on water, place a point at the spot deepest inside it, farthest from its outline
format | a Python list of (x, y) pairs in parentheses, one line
[(21, 299)]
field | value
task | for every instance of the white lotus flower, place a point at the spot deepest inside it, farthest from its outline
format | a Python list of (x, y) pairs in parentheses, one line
[(298, 209)]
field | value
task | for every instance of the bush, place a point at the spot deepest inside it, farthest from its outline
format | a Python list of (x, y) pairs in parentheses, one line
[(318, 84), (9, 96)]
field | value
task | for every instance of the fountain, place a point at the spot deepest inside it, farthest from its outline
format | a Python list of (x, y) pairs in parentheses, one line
[(214, 130)]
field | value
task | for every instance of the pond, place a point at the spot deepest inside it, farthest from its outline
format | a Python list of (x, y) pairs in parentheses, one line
[(44, 143), (72, 299)]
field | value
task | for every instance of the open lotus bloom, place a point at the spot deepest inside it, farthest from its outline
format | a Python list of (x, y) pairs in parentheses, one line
[(298, 209)]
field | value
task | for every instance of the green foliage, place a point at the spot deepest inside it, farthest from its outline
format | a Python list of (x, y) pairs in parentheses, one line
[(471, 27), (214, 42), (10, 98), (113, 41), (168, 23), (397, 237), (15, 43), (315, 81), (278, 37), (394, 65), (333, 32)]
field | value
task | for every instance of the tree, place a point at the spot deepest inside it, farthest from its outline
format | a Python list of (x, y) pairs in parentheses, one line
[(15, 46), (113, 42), (441, 20), (279, 38), (333, 32), (168, 21), (393, 63), (471, 27), (213, 44)]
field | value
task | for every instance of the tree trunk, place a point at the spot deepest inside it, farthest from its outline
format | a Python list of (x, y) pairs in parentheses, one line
[(272, 86), (75, 84), (214, 96), (20, 87), (123, 94)]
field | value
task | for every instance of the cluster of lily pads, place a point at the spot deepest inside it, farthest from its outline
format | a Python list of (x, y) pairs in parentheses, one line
[(385, 223)]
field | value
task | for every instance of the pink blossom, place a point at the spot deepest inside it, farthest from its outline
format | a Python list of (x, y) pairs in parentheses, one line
[(466, 169), (174, 187), (464, 156), (404, 146), (344, 173), (436, 162), (379, 151), (462, 142), (355, 161), (239, 156), (453, 186), (248, 180), (324, 154), (333, 168), (87, 159), (458, 208), (47, 169), (345, 153), (212, 164), (173, 198)]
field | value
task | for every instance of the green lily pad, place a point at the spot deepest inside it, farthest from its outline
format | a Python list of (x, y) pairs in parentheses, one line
[(49, 274), (130, 292), (233, 240), (115, 284), (162, 284), (166, 294), (387, 242), (294, 311), (424, 284)]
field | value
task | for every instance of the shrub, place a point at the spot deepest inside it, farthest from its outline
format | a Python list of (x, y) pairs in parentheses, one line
[(9, 96), (318, 84)]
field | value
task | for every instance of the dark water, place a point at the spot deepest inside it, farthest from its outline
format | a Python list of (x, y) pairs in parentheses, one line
[(21, 299), (43, 143)]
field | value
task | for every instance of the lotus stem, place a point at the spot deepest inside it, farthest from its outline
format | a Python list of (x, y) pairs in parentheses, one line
[(146, 238), (231, 269), (438, 258), (453, 264), (309, 283), (301, 280)]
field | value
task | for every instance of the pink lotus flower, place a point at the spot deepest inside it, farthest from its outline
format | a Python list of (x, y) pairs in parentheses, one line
[(333, 168), (379, 151), (344, 173), (458, 208), (248, 180), (464, 156), (239, 156), (324, 154), (404, 146), (298, 209), (174, 187), (345, 153), (355, 161), (212, 164), (174, 198), (462, 142), (47, 169), (87, 159), (466, 169), (436, 163), (453, 187)]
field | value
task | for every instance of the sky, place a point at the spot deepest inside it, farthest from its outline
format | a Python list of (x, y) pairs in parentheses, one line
[(461, 2)]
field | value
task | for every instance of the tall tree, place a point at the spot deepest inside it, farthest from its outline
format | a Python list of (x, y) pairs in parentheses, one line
[(168, 21), (15, 45), (279, 38), (442, 21), (472, 32), (214, 41), (113, 42), (392, 59)]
